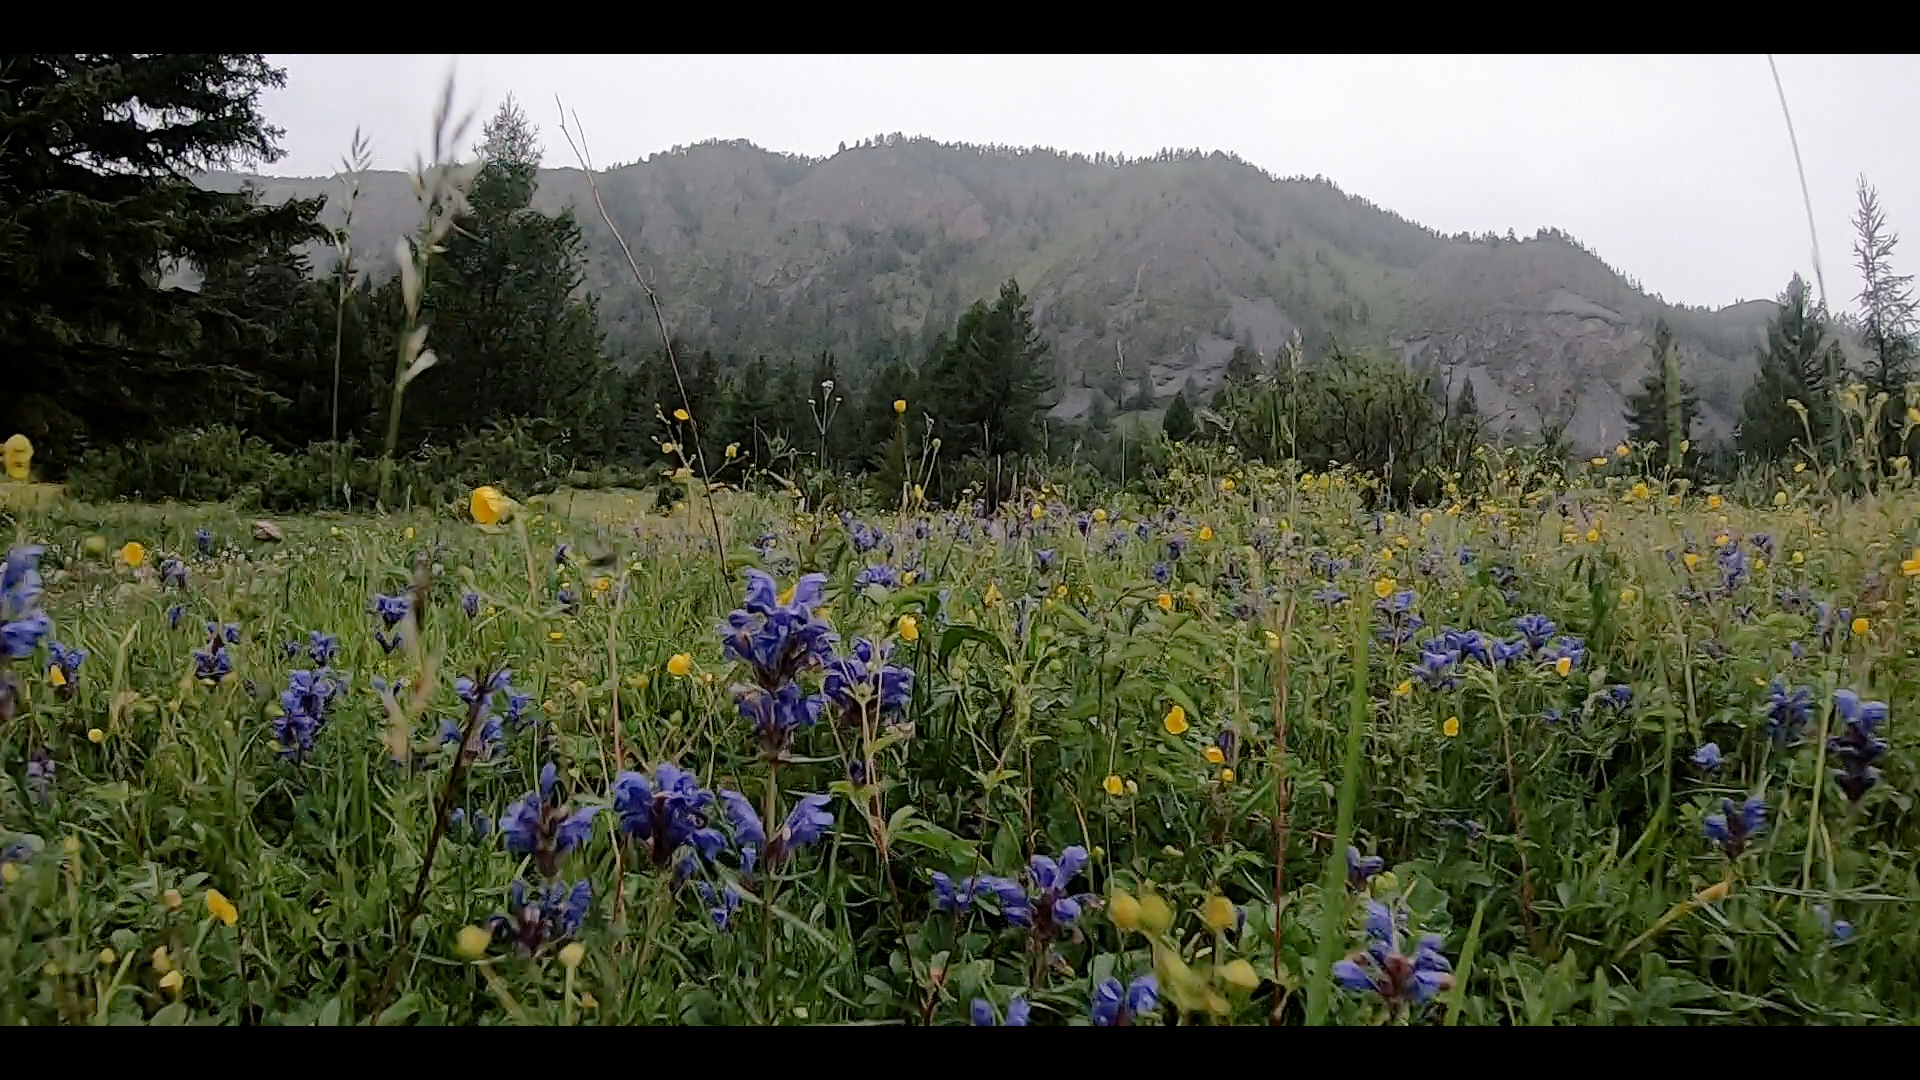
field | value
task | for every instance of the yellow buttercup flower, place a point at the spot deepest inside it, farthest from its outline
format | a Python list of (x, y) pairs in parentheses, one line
[(1909, 567), (1690, 559), (1213, 755), (733, 450), (1155, 915), (1273, 640), (1206, 533), (993, 593), (1598, 462), (1721, 540), (221, 908), (556, 635), (1451, 727), (1860, 626), (1037, 512), (1593, 535), (18, 456), (1165, 601), (1405, 688), (1383, 587), (1099, 515), (96, 736), (1113, 786), (572, 955), (680, 665), (1779, 498), (1563, 665), (1800, 557), (9, 873), (57, 675), (681, 415), (162, 960), (908, 628), (1621, 450), (1799, 466), (1226, 776), (1124, 910), (1217, 913), (1713, 502), (1627, 595), (471, 942), (132, 553), (1176, 721), (1640, 490), (668, 448), (489, 506), (1226, 484), (173, 981), (1386, 553), (899, 405), (1240, 975)]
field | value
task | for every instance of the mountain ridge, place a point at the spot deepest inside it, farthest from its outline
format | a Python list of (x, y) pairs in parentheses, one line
[(1160, 266)]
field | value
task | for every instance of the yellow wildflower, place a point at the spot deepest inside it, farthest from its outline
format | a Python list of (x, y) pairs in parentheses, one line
[(680, 665), (1273, 639), (1176, 721), (489, 507), (471, 942), (1627, 595), (1155, 915), (993, 593), (1909, 567), (1240, 975), (555, 635), (1779, 498), (899, 405), (1405, 688), (1226, 484), (9, 873), (1226, 776), (1037, 512), (1721, 540), (602, 584), (18, 456), (1217, 913), (1124, 910), (1692, 560), (1386, 554), (908, 628), (1133, 788), (1593, 535), (1563, 665), (1799, 466), (1213, 755), (1113, 786), (1099, 515), (1640, 490), (1165, 601), (162, 960), (172, 980), (95, 735), (668, 448), (1206, 533), (1621, 450), (1451, 727), (733, 450), (57, 675), (1860, 626), (132, 553), (1383, 587), (1598, 462), (107, 957), (572, 955), (221, 908), (1713, 502), (681, 415), (1426, 517)]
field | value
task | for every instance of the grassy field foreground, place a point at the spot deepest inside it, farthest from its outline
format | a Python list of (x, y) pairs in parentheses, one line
[(1249, 753)]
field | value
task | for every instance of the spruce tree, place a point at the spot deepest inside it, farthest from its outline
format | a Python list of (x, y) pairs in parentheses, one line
[(1802, 362), (1179, 425), (1663, 399), (99, 211), (1887, 308)]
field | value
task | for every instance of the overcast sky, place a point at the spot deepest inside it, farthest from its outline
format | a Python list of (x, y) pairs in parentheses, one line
[(1676, 170)]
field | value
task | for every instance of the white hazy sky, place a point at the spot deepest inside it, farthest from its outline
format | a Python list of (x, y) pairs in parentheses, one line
[(1675, 169)]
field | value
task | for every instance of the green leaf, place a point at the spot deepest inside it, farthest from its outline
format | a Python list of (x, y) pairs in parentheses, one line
[(400, 1011), (955, 636)]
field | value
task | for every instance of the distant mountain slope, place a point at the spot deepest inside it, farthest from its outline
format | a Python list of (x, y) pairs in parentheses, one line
[(1158, 266)]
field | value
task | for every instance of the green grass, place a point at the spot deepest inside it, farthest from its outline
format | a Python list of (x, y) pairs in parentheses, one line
[(1573, 847)]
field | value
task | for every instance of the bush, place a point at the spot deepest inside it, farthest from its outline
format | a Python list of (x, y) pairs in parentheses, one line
[(220, 464)]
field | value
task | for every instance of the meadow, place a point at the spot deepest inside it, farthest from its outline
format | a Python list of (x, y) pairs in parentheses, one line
[(1585, 746)]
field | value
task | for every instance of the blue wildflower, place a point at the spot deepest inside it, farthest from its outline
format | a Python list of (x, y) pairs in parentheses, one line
[(68, 661), (1707, 757), (1619, 695), (1839, 930), (1176, 547), (1161, 572), (303, 709), (1400, 980), (173, 616), (666, 813), (41, 773), (1043, 559), (1856, 748), (776, 715), (721, 904), (878, 574), (1114, 1006), (470, 603), (778, 641), (548, 915), (1018, 1012), (568, 602), (391, 609), (1330, 597), (1536, 629), (1731, 829), (561, 553), (1436, 669), (862, 685), (203, 542), (22, 624), (173, 572), (321, 648), (539, 826), (1361, 869), (212, 664), (805, 825)]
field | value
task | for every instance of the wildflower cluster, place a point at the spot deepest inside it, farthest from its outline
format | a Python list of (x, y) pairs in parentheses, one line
[(1400, 980)]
